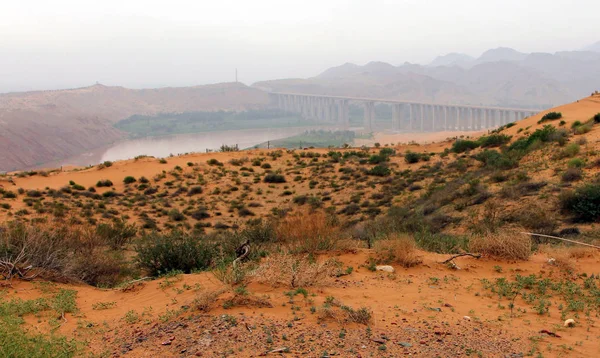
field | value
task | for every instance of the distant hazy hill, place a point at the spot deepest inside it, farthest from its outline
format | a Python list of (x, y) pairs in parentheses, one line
[(43, 126), (453, 59), (501, 76), (594, 47)]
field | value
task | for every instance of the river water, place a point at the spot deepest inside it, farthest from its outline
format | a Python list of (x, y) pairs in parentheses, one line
[(181, 143)]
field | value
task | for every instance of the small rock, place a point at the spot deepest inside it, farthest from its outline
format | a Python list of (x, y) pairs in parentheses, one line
[(570, 322), (405, 344), (166, 343), (385, 268), (467, 318), (551, 261)]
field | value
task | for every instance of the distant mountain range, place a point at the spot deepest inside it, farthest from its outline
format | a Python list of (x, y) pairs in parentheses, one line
[(499, 77), (43, 126)]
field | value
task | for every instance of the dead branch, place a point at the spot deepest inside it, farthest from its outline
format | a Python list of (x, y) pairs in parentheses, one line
[(477, 256), (560, 238)]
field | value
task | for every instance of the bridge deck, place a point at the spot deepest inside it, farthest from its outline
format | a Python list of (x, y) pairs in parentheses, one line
[(393, 101)]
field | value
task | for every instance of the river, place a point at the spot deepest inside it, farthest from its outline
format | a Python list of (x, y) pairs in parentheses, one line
[(180, 143)]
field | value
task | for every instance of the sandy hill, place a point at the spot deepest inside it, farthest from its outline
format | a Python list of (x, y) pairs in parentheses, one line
[(352, 250), (38, 127)]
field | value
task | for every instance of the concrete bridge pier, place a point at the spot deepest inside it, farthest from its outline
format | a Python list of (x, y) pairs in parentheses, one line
[(396, 110), (369, 113), (343, 113)]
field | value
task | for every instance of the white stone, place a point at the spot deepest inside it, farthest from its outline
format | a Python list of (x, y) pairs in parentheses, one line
[(570, 322), (385, 268), (467, 318)]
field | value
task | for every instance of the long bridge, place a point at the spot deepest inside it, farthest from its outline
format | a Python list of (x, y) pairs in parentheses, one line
[(406, 115)]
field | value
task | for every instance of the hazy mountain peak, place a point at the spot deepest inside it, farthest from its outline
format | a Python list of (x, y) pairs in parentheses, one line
[(339, 71), (452, 59), (593, 47), (501, 54)]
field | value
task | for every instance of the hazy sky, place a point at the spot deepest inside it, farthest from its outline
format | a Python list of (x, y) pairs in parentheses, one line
[(146, 43)]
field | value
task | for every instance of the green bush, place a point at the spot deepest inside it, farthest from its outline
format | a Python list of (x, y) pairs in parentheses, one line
[(494, 140), (176, 215), (494, 160), (462, 145), (378, 159), (274, 178), (550, 116), (194, 190), (104, 183), (576, 163), (129, 179), (597, 118), (162, 253), (571, 150), (583, 202), (379, 170), (411, 157), (214, 162), (116, 234)]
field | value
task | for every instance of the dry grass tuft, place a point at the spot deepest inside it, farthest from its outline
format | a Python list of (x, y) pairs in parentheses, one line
[(502, 245), (564, 257), (295, 271), (249, 300), (399, 249), (309, 231), (204, 300)]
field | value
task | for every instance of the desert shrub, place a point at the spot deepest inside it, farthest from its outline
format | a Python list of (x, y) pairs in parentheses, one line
[(8, 194), (274, 178), (570, 150), (194, 190), (534, 218), (308, 231), (161, 253), (504, 245), (243, 212), (583, 202), (176, 215), (597, 118), (100, 268), (378, 159), (441, 243), (582, 128), (411, 157), (34, 193), (492, 159), (462, 145), (494, 140), (60, 252), (571, 175), (350, 209), (214, 161), (397, 249), (550, 116), (129, 179), (104, 183), (200, 214), (295, 271), (116, 234), (576, 163), (379, 170)]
